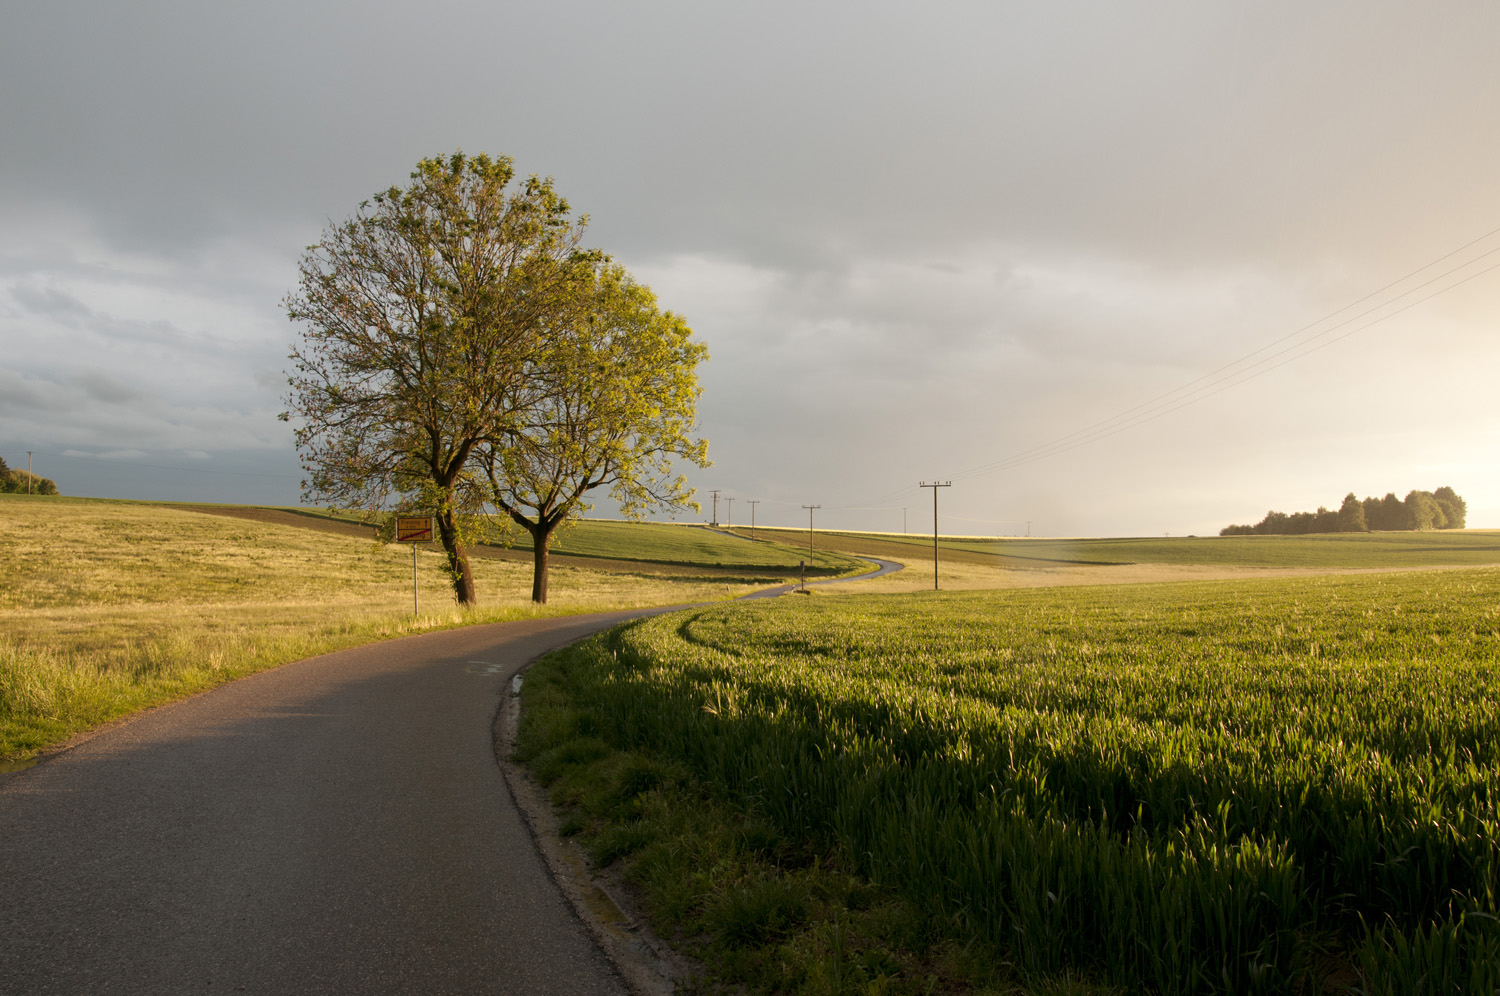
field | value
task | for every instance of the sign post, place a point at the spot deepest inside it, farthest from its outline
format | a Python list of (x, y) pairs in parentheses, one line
[(414, 529)]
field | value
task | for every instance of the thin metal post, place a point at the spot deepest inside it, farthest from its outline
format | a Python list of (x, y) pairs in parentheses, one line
[(934, 486), (810, 529), (414, 610)]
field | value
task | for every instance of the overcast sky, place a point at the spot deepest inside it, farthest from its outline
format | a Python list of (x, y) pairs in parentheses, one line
[(920, 241)]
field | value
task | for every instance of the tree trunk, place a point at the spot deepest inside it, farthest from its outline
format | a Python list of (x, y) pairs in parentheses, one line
[(541, 535), (458, 560)]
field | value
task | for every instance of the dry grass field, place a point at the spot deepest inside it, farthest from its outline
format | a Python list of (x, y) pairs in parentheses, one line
[(110, 607)]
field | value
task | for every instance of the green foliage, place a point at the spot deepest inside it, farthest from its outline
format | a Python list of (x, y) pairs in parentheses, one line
[(755, 912), (722, 882), (1352, 515), (1455, 509), (15, 482), (613, 399), (1178, 789), (420, 317), (460, 350), (1421, 510)]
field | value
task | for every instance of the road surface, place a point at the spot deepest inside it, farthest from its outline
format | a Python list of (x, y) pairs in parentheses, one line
[(338, 826), (882, 568)]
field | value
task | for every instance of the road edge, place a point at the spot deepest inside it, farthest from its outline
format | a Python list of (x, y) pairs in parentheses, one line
[(647, 964)]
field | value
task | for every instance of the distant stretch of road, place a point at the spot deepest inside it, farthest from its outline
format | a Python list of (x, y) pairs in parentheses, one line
[(882, 568), (338, 826)]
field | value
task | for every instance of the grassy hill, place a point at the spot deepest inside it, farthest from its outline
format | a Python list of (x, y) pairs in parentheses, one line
[(112, 606), (607, 544)]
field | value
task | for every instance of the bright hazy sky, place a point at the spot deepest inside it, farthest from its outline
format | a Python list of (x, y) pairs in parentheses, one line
[(919, 240)]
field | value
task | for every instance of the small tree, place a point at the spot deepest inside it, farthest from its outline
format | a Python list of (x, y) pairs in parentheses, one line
[(1392, 512), (421, 317), (614, 399), (1352, 515), (1422, 512), (1455, 509)]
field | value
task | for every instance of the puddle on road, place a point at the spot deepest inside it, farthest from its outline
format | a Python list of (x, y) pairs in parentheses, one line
[(483, 667), (6, 767)]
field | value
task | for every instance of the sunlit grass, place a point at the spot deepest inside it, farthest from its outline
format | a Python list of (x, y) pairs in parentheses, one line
[(109, 607), (655, 542), (1226, 787)]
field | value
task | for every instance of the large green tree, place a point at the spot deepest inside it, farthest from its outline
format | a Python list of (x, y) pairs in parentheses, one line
[(613, 401), (423, 318)]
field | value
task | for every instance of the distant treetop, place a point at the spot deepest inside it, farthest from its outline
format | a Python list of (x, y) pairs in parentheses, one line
[(1440, 509), (14, 481)]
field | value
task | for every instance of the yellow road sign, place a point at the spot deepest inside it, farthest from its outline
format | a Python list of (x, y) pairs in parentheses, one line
[(413, 529)]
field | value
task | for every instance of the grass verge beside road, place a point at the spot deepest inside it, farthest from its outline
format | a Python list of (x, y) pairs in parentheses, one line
[(111, 607), (1250, 786)]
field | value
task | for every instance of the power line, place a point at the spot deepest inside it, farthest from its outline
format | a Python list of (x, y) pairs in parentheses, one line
[(1217, 381), (1227, 376), (1231, 381), (1327, 317)]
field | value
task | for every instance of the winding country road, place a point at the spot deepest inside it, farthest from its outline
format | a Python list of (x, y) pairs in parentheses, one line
[(338, 825)]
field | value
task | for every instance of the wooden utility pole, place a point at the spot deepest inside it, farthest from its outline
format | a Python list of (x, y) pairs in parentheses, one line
[(810, 530), (903, 520), (934, 486), (753, 502), (715, 520), (730, 523), (28, 472)]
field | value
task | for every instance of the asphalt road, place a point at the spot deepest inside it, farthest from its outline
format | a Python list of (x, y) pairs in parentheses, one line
[(882, 568), (338, 825)]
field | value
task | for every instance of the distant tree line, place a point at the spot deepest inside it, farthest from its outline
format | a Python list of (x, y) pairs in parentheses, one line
[(1440, 509), (14, 482)]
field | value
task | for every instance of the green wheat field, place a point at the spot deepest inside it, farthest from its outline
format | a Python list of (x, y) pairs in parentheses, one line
[(1277, 786)]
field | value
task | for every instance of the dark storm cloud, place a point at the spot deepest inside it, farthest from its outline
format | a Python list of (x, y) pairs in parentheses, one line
[(786, 131), (53, 302), (102, 387)]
